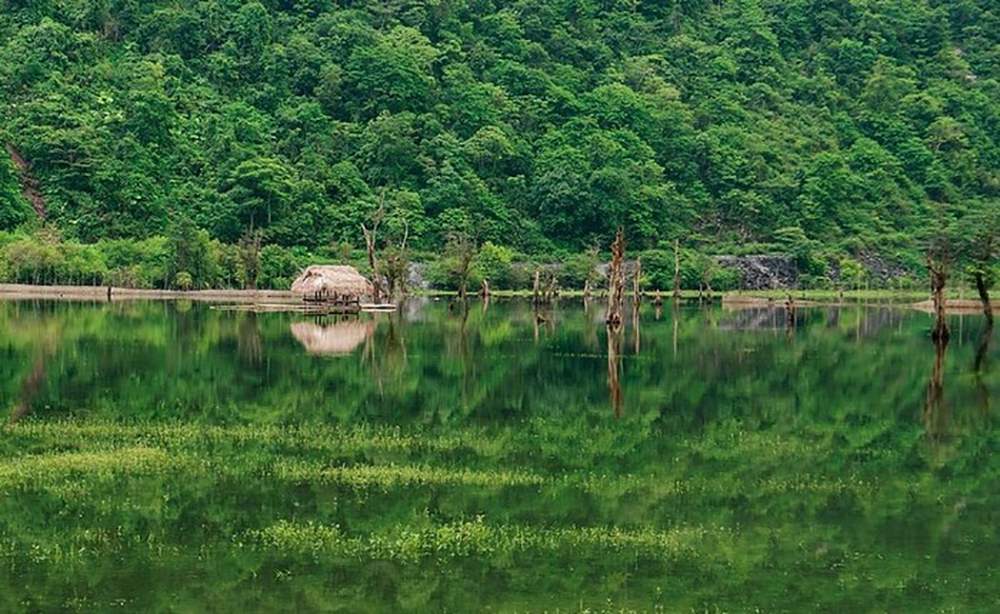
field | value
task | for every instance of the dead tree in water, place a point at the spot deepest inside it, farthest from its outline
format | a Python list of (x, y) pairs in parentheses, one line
[(389, 272), (637, 283), (370, 235), (790, 311), (552, 288), (485, 290), (461, 249), (536, 295), (937, 265), (984, 295), (616, 281), (397, 265)]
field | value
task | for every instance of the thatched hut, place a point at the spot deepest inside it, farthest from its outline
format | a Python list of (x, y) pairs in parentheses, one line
[(333, 284)]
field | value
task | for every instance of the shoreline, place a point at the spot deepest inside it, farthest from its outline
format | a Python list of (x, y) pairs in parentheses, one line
[(775, 298), (101, 294)]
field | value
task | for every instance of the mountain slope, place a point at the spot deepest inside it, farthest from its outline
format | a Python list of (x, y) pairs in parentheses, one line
[(537, 123)]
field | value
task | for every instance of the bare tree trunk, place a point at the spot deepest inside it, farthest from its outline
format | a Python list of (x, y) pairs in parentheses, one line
[(984, 297), (939, 279), (637, 282), (616, 281), (373, 262), (551, 289), (586, 289), (677, 269), (485, 292), (536, 296)]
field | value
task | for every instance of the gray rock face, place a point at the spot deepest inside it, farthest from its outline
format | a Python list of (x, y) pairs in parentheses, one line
[(416, 277), (763, 272)]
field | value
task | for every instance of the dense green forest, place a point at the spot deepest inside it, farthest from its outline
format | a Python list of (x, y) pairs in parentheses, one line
[(844, 127)]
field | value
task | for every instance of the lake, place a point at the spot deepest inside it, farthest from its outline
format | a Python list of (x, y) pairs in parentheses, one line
[(169, 456)]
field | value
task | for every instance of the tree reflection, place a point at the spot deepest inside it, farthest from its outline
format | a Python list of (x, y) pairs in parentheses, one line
[(979, 366), (936, 415), (249, 345), (635, 325), (49, 341), (615, 370)]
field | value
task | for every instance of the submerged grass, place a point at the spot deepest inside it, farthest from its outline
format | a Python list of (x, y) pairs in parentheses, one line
[(45, 469), (392, 476), (478, 538), (726, 504), (387, 458)]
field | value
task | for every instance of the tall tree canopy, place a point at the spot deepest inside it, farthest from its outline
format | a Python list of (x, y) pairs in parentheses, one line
[(542, 123)]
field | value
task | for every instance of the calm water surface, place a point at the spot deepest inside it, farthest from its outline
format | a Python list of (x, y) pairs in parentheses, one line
[(175, 457)]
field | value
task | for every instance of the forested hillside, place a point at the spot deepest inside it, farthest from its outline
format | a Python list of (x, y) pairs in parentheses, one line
[(538, 124)]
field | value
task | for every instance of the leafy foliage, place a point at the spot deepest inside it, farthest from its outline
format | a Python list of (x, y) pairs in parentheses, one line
[(542, 123)]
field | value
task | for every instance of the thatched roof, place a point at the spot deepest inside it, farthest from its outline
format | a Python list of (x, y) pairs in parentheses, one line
[(330, 279), (339, 338)]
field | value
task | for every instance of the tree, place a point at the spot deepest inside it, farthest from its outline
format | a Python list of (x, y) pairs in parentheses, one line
[(939, 256), (249, 256), (460, 252), (14, 210), (979, 247), (261, 188), (190, 253)]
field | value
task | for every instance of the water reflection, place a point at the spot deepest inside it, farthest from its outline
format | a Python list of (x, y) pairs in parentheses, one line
[(979, 367), (935, 411), (339, 338), (47, 335), (250, 344), (811, 464), (615, 371), (505, 362)]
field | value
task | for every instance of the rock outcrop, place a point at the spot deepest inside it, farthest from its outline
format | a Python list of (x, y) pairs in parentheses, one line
[(764, 271)]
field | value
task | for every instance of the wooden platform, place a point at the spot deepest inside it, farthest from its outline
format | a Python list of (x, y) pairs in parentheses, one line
[(319, 309)]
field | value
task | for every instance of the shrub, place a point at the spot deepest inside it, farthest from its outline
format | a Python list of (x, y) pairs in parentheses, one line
[(183, 281), (494, 263)]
